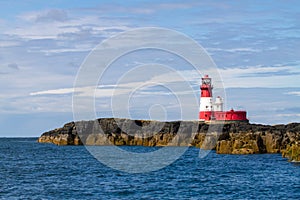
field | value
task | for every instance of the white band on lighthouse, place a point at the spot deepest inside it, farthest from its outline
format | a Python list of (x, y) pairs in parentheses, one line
[(206, 104)]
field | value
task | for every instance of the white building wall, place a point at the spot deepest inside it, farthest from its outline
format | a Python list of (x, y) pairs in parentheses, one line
[(218, 106)]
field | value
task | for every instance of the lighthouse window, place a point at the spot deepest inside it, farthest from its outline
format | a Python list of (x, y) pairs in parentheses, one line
[(206, 106)]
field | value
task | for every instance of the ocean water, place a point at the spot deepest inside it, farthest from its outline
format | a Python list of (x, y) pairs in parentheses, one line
[(29, 170)]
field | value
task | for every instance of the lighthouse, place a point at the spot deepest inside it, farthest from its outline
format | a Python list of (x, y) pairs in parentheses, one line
[(213, 111), (206, 104)]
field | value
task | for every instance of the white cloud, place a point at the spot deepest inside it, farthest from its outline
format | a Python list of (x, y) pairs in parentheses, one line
[(250, 70), (250, 76), (232, 77), (45, 16), (52, 15), (289, 115), (235, 50), (122, 91), (60, 50), (175, 5), (6, 43), (105, 90), (28, 104), (84, 92), (143, 8), (53, 92), (297, 93), (57, 22)]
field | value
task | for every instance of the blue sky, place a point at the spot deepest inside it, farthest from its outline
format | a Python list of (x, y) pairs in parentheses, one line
[(255, 45)]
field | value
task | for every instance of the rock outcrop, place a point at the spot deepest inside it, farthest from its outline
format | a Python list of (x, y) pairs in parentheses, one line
[(292, 152), (231, 138), (67, 135)]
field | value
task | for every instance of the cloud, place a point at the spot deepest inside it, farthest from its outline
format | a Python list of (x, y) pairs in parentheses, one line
[(142, 8), (296, 93), (246, 77), (9, 68), (235, 50), (7, 43), (144, 85), (13, 66), (52, 24), (261, 76), (289, 115), (52, 15), (176, 5), (53, 92), (19, 83), (16, 87), (61, 50), (27, 104), (260, 69)]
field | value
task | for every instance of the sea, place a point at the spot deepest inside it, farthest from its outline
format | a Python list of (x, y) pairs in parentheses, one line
[(30, 170)]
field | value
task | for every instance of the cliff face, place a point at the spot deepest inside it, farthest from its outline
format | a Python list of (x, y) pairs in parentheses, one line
[(233, 138), (253, 138), (67, 135), (292, 152)]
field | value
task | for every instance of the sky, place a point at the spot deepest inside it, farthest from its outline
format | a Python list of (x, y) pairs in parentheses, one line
[(254, 44)]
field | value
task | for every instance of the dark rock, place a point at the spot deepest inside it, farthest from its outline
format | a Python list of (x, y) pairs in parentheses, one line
[(230, 138)]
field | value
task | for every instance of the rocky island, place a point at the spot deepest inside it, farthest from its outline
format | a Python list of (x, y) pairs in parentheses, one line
[(228, 138)]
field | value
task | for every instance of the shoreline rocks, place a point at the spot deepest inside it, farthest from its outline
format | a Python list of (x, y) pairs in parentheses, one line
[(292, 152), (230, 138)]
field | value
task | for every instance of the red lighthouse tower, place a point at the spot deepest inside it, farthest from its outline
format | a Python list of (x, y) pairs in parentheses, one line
[(210, 111), (206, 105)]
